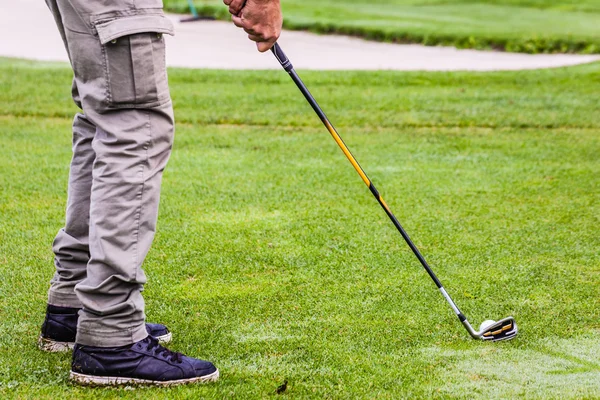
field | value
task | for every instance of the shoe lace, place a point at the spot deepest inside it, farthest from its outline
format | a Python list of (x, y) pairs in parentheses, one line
[(164, 352)]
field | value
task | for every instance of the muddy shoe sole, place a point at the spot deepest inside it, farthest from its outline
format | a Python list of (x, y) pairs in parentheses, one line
[(53, 346), (94, 380)]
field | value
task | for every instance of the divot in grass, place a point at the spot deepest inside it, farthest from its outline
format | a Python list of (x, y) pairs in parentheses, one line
[(566, 368)]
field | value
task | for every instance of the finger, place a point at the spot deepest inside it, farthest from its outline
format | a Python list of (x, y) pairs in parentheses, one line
[(235, 6), (251, 31), (255, 38), (238, 21), (265, 46)]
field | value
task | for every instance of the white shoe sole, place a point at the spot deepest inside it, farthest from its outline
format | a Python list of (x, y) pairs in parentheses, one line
[(52, 346), (164, 339), (93, 380)]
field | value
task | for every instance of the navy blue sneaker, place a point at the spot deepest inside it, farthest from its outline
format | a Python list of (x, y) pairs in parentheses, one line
[(60, 328), (143, 363)]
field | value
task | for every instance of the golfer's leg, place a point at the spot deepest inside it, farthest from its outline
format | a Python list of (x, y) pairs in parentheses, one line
[(71, 253), (117, 56), (132, 148), (71, 245)]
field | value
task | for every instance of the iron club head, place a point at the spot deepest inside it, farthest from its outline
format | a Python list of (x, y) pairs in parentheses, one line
[(505, 329)]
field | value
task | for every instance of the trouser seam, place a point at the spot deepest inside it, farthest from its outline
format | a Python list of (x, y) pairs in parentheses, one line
[(141, 196)]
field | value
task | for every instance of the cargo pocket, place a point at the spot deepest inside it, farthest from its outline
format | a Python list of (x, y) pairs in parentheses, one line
[(134, 60)]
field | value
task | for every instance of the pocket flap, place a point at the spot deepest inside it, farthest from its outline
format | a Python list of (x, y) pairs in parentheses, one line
[(123, 26)]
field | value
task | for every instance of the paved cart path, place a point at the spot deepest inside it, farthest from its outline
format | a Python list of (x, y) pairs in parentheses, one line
[(29, 32)]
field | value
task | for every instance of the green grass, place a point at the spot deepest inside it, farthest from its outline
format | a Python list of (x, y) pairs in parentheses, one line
[(273, 260), (526, 26)]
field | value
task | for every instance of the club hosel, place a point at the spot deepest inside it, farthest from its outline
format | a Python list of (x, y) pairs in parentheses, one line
[(470, 329), (281, 57)]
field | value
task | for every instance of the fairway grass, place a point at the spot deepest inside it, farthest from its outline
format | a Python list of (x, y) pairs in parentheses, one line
[(525, 26), (273, 260)]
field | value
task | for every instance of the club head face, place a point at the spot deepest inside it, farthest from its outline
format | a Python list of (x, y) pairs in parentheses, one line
[(505, 329)]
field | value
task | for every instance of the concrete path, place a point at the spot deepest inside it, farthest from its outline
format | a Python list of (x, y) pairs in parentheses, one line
[(29, 32)]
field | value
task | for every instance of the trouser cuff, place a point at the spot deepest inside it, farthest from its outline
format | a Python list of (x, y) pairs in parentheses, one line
[(110, 338), (59, 299)]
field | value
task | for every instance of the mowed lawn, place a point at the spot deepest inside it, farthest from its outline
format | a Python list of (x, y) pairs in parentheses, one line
[(527, 26), (274, 261)]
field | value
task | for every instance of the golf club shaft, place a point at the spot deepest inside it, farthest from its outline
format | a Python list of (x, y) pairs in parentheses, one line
[(287, 65)]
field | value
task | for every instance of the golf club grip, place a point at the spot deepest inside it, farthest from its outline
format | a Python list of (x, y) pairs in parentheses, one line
[(281, 57), (287, 65)]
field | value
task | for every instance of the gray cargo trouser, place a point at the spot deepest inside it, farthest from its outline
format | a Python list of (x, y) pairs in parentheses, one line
[(121, 144)]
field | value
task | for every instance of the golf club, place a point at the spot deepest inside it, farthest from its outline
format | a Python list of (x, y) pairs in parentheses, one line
[(504, 329)]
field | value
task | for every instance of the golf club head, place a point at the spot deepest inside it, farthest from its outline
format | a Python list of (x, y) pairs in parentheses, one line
[(505, 329)]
